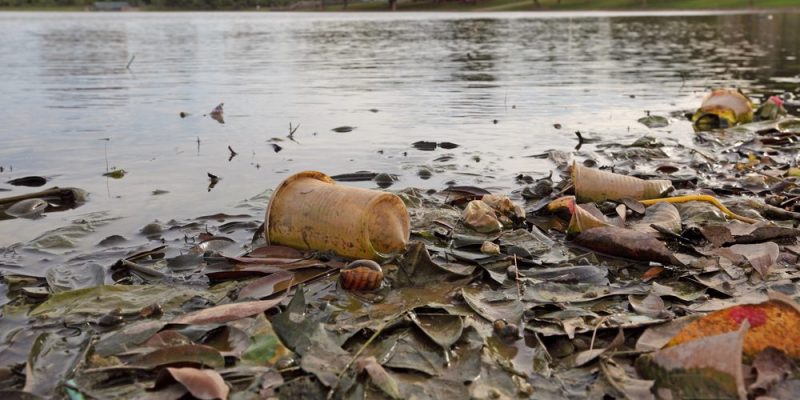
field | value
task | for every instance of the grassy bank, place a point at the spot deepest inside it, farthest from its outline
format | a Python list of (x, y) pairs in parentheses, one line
[(488, 5)]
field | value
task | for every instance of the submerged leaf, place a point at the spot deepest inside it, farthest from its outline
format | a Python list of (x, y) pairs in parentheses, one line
[(126, 299), (51, 359), (444, 329), (192, 354), (654, 121)]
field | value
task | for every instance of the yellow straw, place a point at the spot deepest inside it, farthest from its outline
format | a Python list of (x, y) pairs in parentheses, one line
[(699, 197)]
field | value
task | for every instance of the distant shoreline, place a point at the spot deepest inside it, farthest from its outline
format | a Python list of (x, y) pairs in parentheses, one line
[(548, 6)]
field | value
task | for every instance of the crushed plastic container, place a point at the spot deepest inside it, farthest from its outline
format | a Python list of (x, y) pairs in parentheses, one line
[(309, 210), (723, 108), (594, 185)]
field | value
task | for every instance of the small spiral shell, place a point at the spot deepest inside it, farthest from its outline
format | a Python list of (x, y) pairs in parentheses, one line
[(361, 275)]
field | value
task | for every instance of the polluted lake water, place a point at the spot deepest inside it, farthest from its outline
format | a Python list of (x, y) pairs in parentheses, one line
[(575, 205)]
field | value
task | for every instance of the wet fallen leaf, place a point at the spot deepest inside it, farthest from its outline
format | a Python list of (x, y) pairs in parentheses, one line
[(626, 243), (444, 329), (127, 338), (707, 367), (662, 214), (265, 347), (761, 256), (654, 121), (126, 299), (630, 388), (652, 273), (379, 376), (264, 287), (509, 309), (51, 359), (651, 305), (30, 209), (191, 354), (227, 312), (771, 366), (204, 384), (343, 129), (167, 338), (30, 181), (595, 275)]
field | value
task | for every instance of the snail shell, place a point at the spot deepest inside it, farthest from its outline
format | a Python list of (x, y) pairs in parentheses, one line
[(361, 275)]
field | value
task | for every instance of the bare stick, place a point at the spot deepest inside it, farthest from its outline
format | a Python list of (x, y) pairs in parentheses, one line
[(133, 57)]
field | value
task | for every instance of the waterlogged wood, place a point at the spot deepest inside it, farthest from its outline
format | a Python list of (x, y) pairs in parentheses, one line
[(228, 312), (626, 243), (190, 354), (204, 384)]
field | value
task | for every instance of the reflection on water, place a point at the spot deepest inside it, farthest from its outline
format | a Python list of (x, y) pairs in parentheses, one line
[(438, 77)]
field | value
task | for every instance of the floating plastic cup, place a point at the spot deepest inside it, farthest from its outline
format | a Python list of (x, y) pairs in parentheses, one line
[(309, 210), (594, 185)]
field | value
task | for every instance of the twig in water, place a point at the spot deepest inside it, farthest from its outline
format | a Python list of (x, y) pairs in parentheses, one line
[(516, 272), (133, 57), (594, 333), (580, 140), (105, 150), (233, 153), (292, 131)]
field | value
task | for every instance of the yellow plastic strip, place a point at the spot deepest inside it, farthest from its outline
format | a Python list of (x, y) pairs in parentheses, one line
[(700, 197)]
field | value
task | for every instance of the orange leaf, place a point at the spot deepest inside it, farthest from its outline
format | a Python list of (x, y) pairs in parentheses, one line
[(652, 273), (774, 323)]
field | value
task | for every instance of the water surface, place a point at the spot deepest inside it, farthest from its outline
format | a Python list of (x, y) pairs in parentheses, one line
[(493, 83)]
